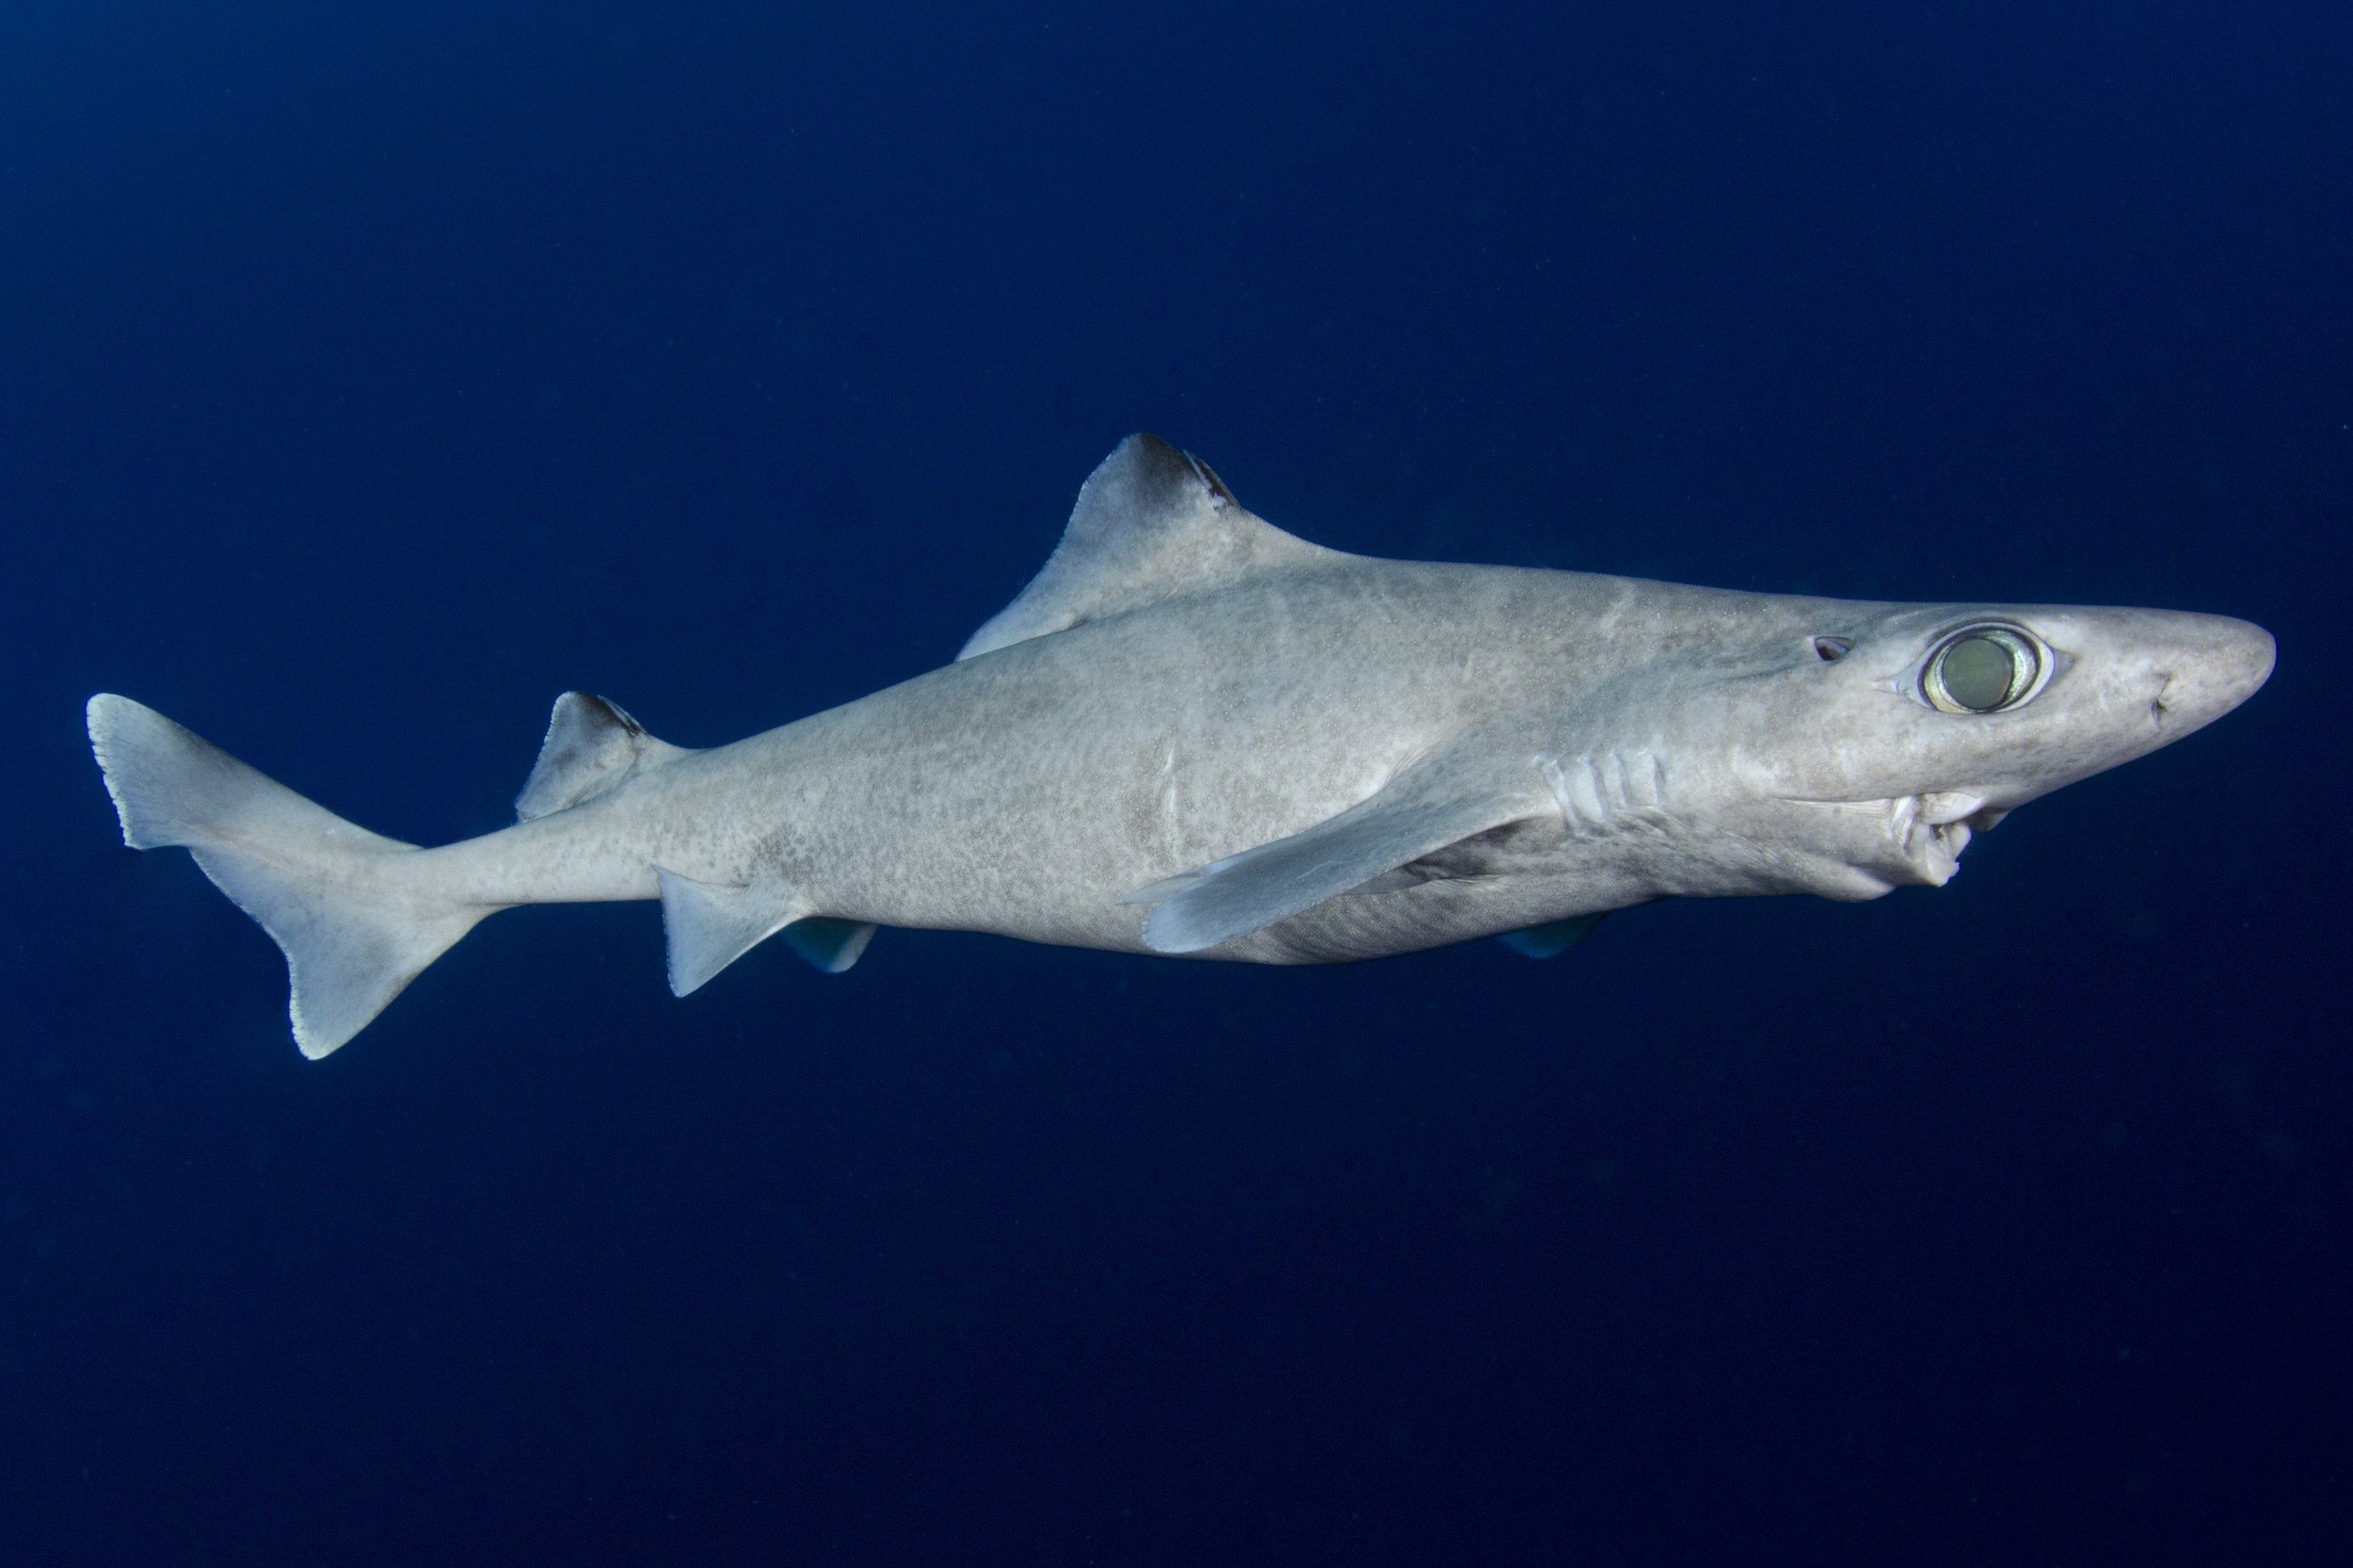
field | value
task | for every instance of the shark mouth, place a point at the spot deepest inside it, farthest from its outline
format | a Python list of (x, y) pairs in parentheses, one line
[(1907, 840), (1931, 830)]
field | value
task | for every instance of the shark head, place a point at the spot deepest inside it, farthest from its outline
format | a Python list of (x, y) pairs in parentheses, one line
[(1865, 743)]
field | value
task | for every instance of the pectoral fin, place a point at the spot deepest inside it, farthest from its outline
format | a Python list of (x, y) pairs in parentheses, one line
[(1424, 809), (1552, 939)]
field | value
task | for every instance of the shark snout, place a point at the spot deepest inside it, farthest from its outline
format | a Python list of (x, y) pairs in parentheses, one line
[(2210, 666)]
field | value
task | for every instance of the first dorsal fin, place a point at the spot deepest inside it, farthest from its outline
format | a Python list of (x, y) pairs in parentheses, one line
[(592, 746), (1152, 522)]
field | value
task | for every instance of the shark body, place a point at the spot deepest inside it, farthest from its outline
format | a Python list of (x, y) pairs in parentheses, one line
[(1196, 734)]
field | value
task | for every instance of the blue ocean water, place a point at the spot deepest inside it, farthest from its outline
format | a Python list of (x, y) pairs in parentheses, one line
[(371, 373)]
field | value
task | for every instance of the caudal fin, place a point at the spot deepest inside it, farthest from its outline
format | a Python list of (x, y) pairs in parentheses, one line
[(353, 937)]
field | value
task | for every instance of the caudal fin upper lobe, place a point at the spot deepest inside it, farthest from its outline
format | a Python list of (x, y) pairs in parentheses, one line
[(354, 932)]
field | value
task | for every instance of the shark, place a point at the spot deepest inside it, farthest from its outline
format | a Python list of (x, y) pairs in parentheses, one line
[(1195, 734)]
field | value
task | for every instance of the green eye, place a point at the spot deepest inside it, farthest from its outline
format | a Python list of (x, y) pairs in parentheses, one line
[(1982, 670)]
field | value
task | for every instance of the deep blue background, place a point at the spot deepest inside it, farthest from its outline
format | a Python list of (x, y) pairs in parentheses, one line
[(371, 372)]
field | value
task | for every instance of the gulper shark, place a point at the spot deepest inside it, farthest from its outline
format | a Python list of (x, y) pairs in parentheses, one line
[(1194, 733)]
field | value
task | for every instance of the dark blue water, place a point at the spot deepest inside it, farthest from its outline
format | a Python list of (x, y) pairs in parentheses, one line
[(371, 373)]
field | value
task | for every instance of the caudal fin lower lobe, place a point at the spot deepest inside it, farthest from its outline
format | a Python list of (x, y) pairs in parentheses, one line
[(354, 937)]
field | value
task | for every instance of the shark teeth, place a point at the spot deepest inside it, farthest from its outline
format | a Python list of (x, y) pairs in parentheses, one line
[(1933, 831)]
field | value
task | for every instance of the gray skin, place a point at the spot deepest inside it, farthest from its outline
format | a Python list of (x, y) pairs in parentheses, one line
[(1196, 734)]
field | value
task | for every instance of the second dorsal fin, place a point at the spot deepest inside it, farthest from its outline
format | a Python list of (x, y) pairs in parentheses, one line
[(592, 746), (1152, 522)]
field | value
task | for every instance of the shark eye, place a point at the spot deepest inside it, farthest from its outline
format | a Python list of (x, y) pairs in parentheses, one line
[(1982, 669)]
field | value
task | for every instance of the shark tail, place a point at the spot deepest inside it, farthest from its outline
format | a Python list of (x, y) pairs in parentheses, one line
[(353, 936)]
